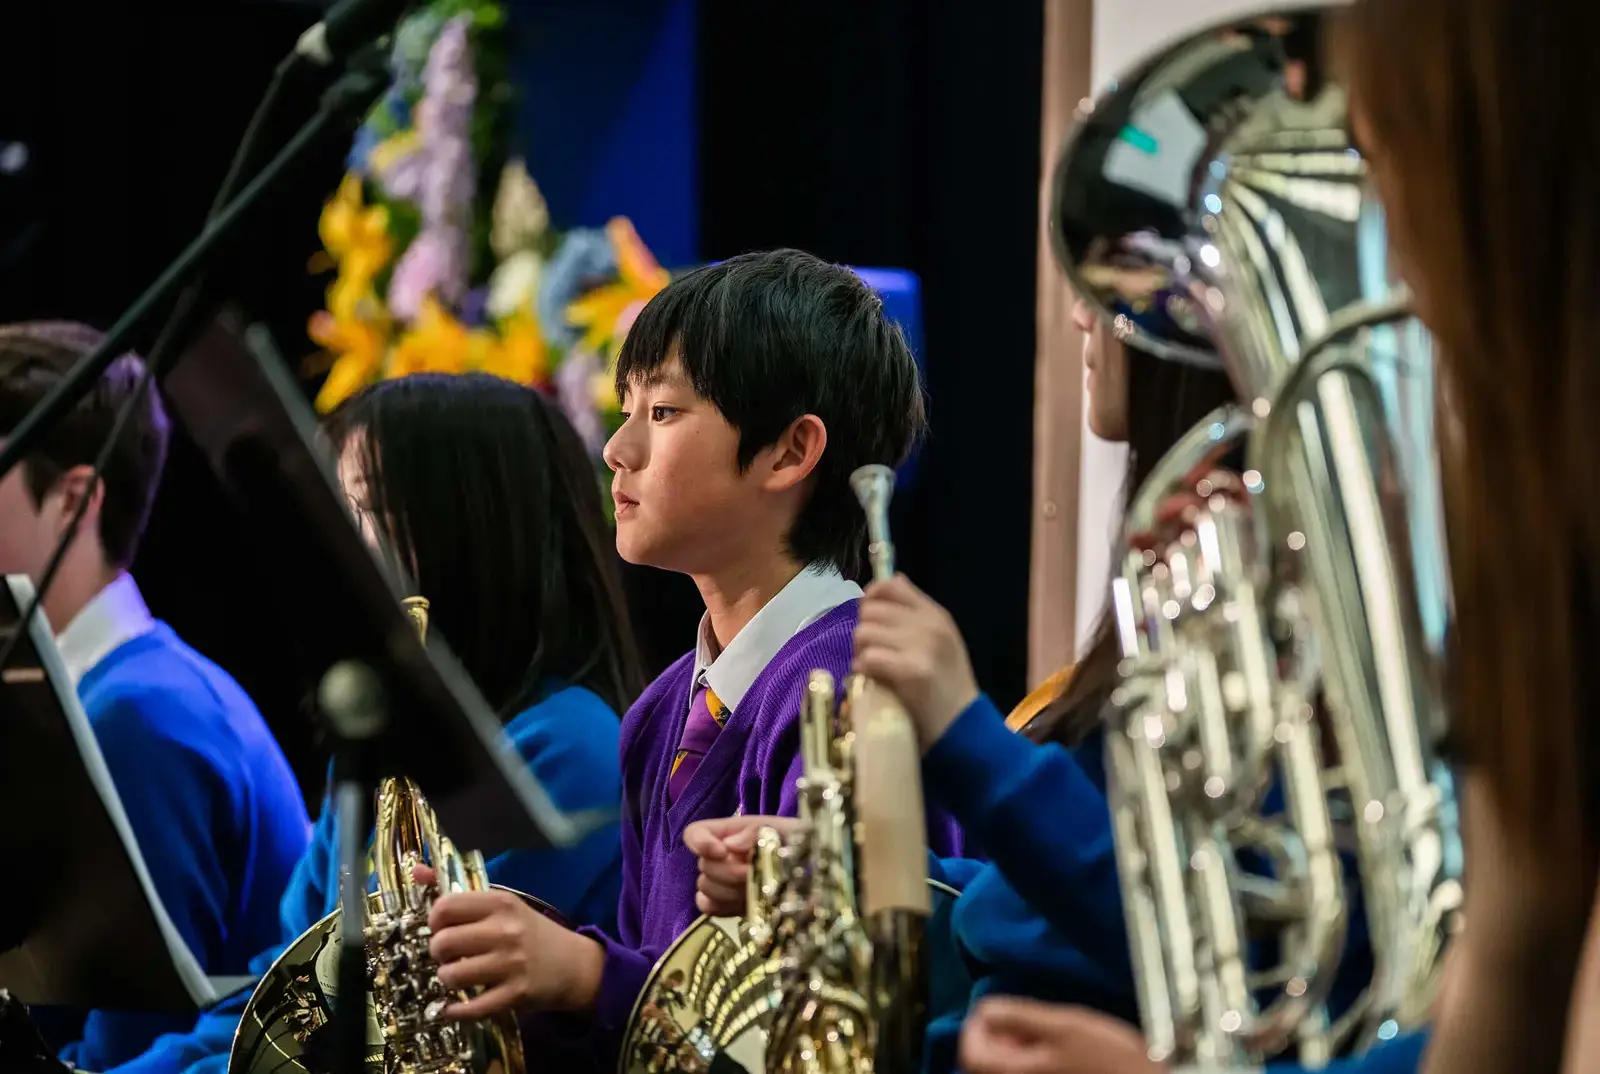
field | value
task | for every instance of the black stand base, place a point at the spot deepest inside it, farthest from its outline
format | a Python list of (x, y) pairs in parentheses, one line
[(22, 1049), (351, 697)]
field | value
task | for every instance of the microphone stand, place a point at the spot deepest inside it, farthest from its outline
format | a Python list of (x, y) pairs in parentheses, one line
[(351, 697), (350, 97)]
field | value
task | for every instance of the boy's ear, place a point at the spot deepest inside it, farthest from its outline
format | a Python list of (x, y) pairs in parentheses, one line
[(795, 454), (75, 485)]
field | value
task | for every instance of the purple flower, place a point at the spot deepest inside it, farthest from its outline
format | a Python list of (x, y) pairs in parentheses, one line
[(472, 307), (448, 181), (403, 177), (574, 386), (435, 263)]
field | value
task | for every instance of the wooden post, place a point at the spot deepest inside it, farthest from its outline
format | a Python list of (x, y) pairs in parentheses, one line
[(1058, 364)]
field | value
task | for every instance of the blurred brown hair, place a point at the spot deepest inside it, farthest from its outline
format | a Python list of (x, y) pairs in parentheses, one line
[(1482, 119), (34, 358)]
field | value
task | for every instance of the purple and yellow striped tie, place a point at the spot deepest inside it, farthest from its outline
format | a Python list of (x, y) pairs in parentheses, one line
[(706, 716)]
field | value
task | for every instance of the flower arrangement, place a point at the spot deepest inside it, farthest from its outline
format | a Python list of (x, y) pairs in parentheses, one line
[(441, 248)]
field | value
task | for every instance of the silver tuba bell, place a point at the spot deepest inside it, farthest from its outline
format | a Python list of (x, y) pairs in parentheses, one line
[(1212, 207)]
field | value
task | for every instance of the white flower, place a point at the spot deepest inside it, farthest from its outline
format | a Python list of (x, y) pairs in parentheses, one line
[(514, 285), (520, 214)]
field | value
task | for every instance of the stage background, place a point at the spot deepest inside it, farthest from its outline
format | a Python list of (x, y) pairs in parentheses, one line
[(897, 133)]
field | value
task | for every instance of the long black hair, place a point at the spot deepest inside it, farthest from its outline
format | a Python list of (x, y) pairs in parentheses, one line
[(1165, 400), (483, 493)]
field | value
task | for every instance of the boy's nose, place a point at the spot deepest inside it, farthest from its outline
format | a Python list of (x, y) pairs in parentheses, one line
[(622, 451)]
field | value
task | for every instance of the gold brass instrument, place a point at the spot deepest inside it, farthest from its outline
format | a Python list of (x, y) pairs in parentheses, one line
[(825, 972), (1212, 207), (287, 1024)]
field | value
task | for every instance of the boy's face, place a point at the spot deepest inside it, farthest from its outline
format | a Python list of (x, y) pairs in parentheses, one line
[(682, 503), (28, 531)]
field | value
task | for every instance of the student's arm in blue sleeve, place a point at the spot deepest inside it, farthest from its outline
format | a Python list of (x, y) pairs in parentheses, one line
[(1402, 1055), (956, 872), (569, 742), (169, 791), (1041, 819)]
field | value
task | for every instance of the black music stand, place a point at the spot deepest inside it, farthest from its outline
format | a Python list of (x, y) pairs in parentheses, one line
[(81, 924), (251, 421), (397, 706)]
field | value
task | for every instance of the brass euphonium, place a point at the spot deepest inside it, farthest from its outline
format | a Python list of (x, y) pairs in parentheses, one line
[(825, 973), (1213, 207), (287, 1024)]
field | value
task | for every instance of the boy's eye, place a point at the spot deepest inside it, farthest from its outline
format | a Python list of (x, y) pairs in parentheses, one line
[(661, 413)]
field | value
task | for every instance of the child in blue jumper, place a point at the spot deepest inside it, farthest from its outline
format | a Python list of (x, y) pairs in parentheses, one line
[(483, 494), (213, 804), (751, 390)]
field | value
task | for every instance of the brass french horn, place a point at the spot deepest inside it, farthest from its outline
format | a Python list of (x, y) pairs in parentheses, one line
[(826, 972), (287, 1024)]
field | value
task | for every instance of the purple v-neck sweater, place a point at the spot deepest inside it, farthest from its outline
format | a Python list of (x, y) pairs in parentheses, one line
[(751, 769)]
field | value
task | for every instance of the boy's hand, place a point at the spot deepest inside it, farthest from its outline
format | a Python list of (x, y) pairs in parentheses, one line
[(495, 941), (911, 645), (1005, 1035), (723, 847)]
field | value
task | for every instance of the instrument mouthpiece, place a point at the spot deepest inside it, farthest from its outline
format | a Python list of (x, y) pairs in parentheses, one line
[(874, 486)]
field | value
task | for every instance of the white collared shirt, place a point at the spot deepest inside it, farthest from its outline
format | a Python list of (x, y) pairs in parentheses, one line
[(112, 618), (810, 595)]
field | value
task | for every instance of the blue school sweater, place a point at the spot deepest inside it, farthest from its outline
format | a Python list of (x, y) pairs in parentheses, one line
[(569, 740), (1044, 918), (751, 769), (213, 804)]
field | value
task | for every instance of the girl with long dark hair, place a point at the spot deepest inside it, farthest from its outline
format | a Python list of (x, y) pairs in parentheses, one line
[(481, 493)]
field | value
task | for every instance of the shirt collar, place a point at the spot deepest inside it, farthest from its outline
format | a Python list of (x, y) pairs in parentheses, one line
[(810, 595), (112, 618)]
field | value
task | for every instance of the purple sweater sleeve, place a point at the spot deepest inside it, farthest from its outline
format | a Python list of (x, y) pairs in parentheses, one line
[(627, 963)]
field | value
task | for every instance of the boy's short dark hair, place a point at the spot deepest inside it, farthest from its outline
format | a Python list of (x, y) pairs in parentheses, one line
[(769, 337), (34, 358)]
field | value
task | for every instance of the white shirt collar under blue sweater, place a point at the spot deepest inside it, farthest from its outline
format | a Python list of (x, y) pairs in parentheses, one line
[(113, 617), (810, 595)]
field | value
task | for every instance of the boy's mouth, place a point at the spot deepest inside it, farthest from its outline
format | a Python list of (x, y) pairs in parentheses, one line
[(624, 503)]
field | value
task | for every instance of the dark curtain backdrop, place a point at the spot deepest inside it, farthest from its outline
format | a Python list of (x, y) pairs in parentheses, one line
[(899, 133)]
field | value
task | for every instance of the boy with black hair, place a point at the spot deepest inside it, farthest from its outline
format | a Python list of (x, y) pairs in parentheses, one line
[(216, 810), (751, 390)]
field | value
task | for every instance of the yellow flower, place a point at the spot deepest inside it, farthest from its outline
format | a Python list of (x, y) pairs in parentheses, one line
[(520, 354), (438, 343), (355, 234), (357, 347), (599, 312), (351, 297)]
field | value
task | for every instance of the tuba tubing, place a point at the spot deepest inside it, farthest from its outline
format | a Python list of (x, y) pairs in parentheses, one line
[(1211, 206)]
